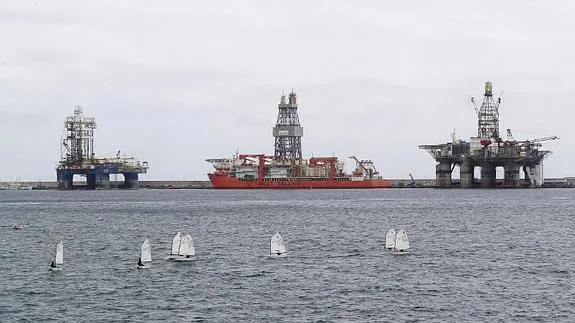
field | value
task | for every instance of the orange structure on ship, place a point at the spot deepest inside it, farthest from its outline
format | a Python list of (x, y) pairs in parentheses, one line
[(287, 169)]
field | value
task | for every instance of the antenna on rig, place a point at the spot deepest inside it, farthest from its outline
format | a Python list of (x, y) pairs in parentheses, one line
[(452, 134)]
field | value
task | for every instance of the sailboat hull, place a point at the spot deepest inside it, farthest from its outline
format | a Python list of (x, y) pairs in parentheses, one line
[(397, 252), (55, 268), (184, 259), (143, 267), (281, 255)]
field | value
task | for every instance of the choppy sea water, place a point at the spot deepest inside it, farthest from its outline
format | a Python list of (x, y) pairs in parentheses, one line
[(477, 255)]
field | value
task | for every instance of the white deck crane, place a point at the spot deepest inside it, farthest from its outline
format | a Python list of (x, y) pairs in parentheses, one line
[(536, 141)]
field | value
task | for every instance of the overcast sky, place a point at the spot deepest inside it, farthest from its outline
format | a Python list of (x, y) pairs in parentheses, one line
[(176, 82)]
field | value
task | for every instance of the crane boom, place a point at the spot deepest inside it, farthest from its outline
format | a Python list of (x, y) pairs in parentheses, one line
[(472, 99), (536, 141), (544, 139), (360, 164)]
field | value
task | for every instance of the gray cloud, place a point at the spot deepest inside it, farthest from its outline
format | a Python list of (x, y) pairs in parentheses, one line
[(177, 82)]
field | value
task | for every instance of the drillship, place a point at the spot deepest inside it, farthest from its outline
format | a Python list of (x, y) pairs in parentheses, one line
[(287, 169)]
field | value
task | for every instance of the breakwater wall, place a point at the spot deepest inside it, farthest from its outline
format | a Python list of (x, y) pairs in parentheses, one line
[(564, 182), (49, 185)]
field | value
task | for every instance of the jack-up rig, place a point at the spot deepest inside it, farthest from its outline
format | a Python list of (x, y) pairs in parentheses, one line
[(78, 158), (488, 151)]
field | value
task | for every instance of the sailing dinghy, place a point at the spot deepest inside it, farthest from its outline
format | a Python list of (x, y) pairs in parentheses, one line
[(187, 249), (277, 246), (145, 255), (56, 265), (390, 239), (401, 243), (175, 246)]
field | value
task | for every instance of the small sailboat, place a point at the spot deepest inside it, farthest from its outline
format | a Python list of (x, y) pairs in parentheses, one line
[(187, 249), (175, 246), (56, 265), (390, 239), (145, 255), (277, 246), (20, 226), (401, 243)]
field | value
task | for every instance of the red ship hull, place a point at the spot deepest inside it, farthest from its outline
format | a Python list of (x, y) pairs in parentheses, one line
[(221, 181)]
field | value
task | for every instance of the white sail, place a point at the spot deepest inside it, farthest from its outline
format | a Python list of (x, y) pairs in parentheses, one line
[(277, 246), (390, 239), (146, 252), (185, 246), (60, 253), (401, 241), (176, 243)]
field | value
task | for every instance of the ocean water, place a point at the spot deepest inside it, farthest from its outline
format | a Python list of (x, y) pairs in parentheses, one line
[(477, 255)]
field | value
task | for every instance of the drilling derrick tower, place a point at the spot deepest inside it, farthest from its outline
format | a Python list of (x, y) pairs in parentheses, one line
[(288, 131), (78, 143), (488, 115)]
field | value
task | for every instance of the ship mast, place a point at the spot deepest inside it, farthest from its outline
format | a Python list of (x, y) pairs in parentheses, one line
[(288, 131)]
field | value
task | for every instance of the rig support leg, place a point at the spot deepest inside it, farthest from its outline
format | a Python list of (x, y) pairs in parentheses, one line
[(443, 174), (511, 178), (131, 180), (466, 174), (65, 179), (488, 175), (102, 180), (538, 172), (530, 176), (90, 181)]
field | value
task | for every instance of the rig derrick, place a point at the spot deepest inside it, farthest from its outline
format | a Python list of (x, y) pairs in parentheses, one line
[(288, 131)]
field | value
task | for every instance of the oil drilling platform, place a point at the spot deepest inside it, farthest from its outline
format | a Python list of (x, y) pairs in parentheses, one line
[(489, 151), (78, 158)]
